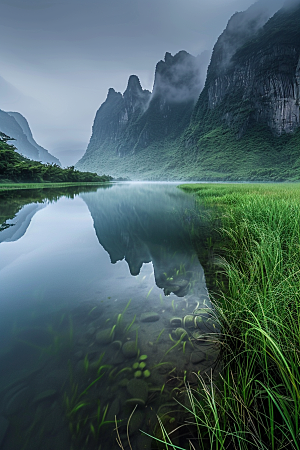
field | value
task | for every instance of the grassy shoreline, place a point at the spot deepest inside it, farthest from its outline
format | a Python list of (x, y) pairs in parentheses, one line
[(13, 186), (256, 405)]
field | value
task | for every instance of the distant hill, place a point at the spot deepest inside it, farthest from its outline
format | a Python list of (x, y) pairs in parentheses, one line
[(244, 125), (15, 125)]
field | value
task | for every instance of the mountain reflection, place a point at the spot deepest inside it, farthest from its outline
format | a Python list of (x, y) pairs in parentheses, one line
[(145, 223), (17, 207)]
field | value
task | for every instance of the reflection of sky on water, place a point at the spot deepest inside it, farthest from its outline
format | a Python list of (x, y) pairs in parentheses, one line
[(59, 261)]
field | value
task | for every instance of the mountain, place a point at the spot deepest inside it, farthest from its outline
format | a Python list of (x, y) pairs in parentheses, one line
[(138, 120), (246, 121), (245, 124), (15, 125)]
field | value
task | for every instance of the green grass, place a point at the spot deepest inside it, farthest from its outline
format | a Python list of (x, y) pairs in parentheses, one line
[(256, 403)]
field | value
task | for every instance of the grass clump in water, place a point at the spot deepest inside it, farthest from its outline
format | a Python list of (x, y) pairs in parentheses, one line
[(256, 405)]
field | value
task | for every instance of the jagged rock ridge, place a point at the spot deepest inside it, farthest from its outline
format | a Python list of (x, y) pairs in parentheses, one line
[(130, 122), (245, 124)]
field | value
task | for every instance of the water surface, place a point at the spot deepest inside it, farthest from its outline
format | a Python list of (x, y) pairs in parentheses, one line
[(91, 281)]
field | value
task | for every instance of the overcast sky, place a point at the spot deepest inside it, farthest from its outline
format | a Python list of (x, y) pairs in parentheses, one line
[(60, 57)]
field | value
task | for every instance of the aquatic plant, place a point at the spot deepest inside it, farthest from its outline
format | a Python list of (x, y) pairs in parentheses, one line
[(158, 337), (127, 328), (149, 292)]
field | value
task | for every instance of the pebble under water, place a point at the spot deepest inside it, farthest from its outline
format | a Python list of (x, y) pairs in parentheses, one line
[(105, 316)]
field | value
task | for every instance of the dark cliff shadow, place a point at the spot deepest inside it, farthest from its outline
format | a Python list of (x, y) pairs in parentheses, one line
[(144, 223)]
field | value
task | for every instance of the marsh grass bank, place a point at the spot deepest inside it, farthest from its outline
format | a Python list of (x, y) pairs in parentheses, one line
[(256, 404)]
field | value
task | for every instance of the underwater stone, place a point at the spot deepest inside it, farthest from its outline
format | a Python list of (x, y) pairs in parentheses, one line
[(197, 321), (182, 283), (4, 424), (44, 395), (91, 331), (113, 410), (143, 442), (136, 421), (17, 401), (138, 389), (104, 336), (135, 401), (197, 357), (116, 345), (176, 322), (149, 317), (129, 349), (123, 383), (179, 332), (78, 355), (188, 321)]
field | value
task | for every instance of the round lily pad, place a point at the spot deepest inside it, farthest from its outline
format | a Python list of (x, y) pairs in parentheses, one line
[(143, 357)]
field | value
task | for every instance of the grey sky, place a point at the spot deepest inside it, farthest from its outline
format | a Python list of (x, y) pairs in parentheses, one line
[(61, 56)]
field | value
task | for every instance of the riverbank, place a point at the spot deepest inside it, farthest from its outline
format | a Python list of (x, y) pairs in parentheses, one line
[(257, 300), (13, 186)]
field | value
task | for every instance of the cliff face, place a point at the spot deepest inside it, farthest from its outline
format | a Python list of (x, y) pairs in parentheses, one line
[(117, 113), (126, 124), (15, 125), (258, 82)]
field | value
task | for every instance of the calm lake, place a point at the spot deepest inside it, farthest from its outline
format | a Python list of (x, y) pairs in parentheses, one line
[(104, 315)]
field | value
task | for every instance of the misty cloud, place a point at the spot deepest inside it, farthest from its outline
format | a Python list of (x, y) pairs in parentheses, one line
[(240, 27), (181, 78)]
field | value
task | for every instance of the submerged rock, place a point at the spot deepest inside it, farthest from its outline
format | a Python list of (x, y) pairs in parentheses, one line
[(113, 410), (105, 336), (4, 424), (138, 389), (129, 349), (135, 401), (197, 357), (176, 322), (17, 401), (136, 421), (188, 321), (149, 317), (180, 333), (44, 395)]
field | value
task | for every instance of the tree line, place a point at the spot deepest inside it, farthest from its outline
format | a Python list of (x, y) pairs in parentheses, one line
[(16, 168)]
